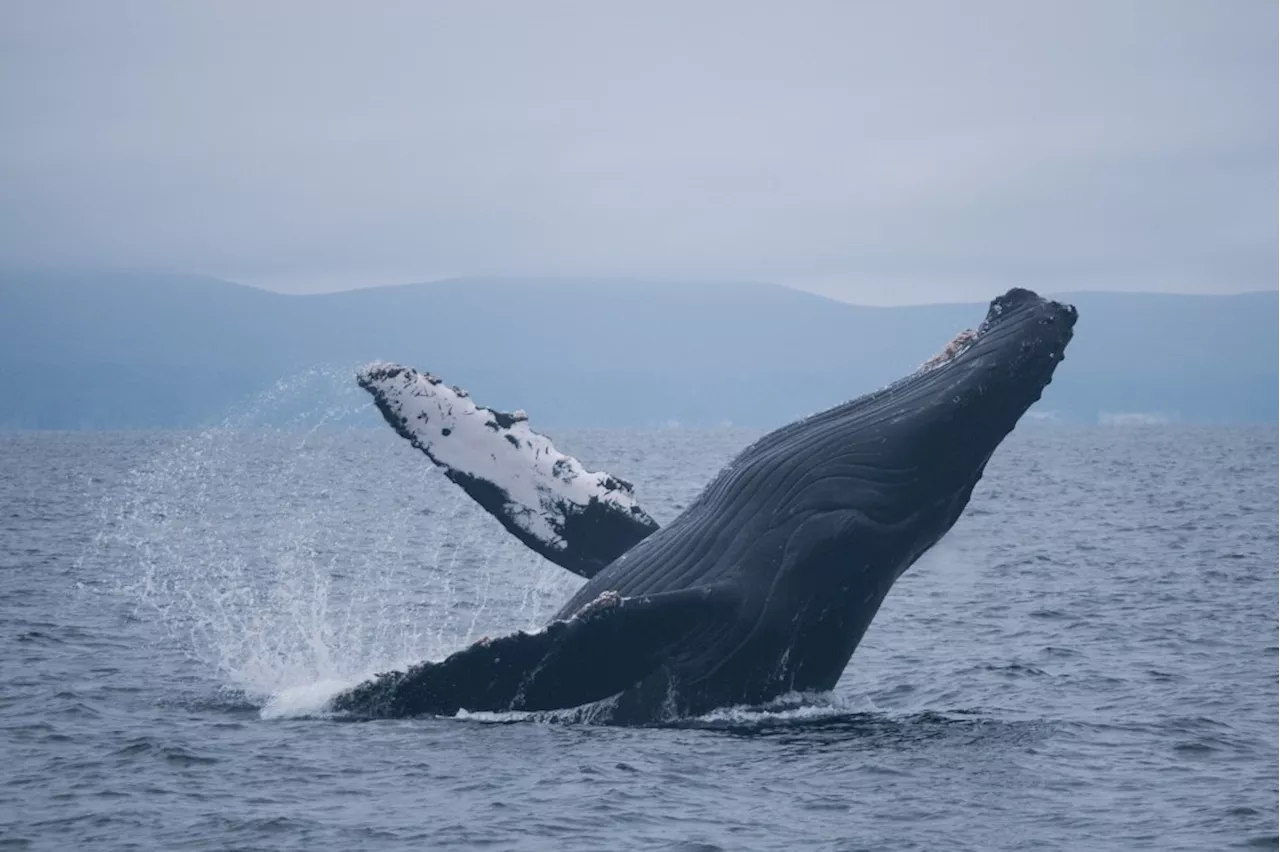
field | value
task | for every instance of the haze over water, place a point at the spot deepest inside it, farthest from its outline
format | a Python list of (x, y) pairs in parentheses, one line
[(1088, 660)]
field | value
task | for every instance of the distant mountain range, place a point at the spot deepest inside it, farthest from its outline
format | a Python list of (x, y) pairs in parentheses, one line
[(110, 350)]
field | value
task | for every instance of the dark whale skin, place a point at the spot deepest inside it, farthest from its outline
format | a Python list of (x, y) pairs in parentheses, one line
[(768, 581)]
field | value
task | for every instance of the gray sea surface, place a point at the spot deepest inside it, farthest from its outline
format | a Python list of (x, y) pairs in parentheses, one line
[(1087, 661)]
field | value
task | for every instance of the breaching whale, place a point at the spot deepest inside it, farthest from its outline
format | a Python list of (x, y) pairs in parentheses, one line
[(765, 584)]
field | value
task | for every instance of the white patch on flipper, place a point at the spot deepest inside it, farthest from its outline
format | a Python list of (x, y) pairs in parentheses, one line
[(542, 484)]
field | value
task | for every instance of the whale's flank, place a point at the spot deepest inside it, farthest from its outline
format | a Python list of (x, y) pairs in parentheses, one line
[(767, 582)]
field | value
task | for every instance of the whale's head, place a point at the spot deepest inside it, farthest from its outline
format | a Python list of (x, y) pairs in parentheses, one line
[(878, 480), (906, 458), (962, 402), (820, 518)]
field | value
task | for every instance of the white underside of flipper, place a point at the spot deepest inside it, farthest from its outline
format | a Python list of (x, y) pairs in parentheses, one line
[(541, 489)]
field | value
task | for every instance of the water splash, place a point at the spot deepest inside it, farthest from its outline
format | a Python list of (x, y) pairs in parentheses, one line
[(269, 557)]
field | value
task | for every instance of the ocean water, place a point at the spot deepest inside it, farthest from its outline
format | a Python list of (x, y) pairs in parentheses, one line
[(1087, 661)]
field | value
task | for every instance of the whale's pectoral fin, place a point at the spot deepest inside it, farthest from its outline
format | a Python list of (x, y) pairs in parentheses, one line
[(579, 520), (610, 644)]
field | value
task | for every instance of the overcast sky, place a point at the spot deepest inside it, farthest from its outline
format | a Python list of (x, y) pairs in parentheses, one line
[(879, 152)]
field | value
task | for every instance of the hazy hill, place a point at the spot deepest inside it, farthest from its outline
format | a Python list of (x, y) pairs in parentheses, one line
[(129, 351)]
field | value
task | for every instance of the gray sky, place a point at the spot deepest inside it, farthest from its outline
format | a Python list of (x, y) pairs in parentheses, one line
[(878, 152)]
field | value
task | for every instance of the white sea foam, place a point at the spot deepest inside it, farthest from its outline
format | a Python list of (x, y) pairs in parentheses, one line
[(792, 707), (308, 699)]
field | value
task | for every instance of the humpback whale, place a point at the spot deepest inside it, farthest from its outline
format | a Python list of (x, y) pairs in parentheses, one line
[(763, 585)]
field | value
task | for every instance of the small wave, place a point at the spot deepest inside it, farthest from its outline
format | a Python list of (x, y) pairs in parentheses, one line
[(1164, 677), (39, 637), (1009, 670), (146, 746)]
